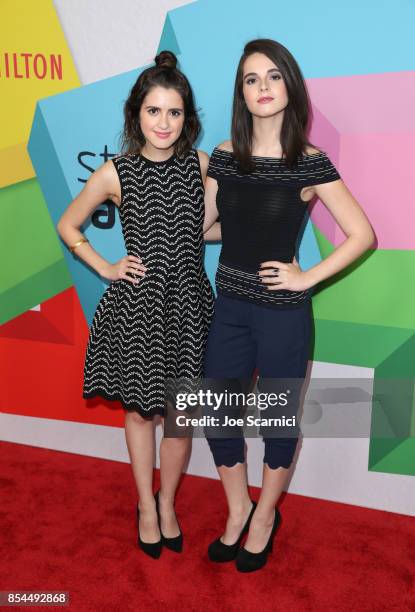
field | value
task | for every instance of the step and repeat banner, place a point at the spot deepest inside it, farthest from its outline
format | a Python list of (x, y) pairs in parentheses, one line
[(65, 72)]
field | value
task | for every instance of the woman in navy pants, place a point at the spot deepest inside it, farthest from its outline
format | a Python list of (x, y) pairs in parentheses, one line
[(260, 183), (245, 337)]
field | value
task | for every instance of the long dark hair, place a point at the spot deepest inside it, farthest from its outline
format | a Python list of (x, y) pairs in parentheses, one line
[(296, 114), (163, 74)]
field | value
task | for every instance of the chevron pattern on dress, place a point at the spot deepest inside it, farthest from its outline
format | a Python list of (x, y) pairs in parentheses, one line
[(143, 335)]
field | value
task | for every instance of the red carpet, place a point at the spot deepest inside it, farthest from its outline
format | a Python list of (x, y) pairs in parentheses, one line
[(67, 523)]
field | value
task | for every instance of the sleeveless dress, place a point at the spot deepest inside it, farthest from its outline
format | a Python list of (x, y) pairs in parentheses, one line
[(142, 335)]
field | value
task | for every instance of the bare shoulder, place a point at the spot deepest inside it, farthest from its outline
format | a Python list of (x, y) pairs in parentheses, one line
[(108, 172), (312, 151), (204, 162), (105, 178), (226, 146), (203, 157)]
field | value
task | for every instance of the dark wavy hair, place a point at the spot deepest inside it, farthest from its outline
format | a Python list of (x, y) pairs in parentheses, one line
[(163, 74), (296, 114)]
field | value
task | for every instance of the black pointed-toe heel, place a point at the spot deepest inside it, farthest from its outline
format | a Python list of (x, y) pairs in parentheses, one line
[(247, 561), (175, 544), (151, 549), (222, 553)]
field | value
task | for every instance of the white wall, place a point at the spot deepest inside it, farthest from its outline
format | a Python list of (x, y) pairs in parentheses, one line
[(103, 42)]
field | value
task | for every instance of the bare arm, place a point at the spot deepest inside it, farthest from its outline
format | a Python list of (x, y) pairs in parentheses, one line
[(349, 215), (103, 184), (214, 233), (211, 212), (211, 228), (351, 218)]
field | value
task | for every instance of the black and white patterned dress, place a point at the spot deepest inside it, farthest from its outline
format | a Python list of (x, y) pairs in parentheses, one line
[(143, 334)]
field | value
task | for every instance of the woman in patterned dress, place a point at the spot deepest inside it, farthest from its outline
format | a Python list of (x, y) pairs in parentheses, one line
[(151, 323)]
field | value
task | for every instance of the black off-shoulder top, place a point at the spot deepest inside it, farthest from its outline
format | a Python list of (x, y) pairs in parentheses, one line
[(261, 215)]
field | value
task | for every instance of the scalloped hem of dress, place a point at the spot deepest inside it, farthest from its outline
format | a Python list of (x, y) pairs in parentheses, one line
[(117, 398)]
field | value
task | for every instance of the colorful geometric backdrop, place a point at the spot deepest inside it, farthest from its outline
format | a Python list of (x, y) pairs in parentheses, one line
[(357, 59)]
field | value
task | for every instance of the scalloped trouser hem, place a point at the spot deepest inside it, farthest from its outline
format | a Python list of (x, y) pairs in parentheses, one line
[(228, 452)]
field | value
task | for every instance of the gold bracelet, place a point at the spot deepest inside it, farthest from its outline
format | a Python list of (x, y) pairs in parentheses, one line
[(73, 247)]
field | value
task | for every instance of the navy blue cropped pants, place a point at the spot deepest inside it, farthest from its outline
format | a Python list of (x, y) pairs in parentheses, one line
[(245, 336)]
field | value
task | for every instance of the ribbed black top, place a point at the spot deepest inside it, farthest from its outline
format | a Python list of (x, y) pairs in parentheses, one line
[(261, 214)]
